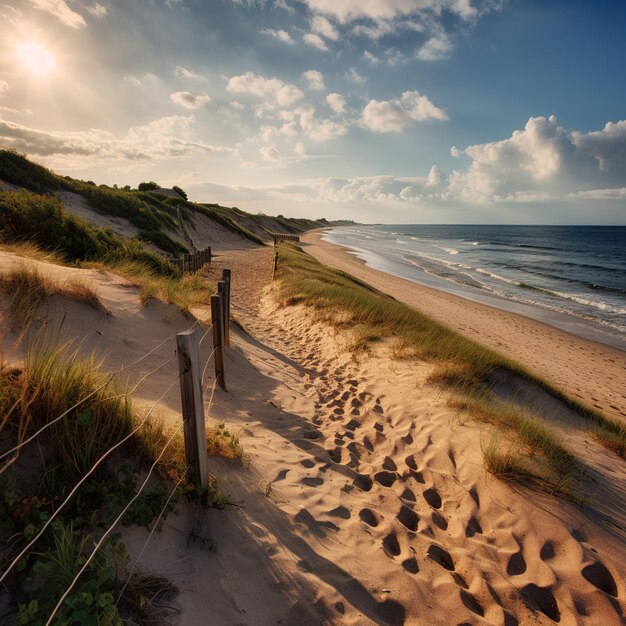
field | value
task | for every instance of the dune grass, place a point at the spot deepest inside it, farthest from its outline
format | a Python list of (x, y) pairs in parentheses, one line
[(460, 363), (25, 289)]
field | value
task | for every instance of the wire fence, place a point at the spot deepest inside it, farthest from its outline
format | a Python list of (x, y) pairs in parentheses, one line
[(185, 369)]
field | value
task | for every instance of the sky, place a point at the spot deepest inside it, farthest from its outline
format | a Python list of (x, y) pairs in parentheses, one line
[(394, 111)]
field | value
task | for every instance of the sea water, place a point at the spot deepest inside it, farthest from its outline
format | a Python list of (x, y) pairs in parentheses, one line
[(573, 277)]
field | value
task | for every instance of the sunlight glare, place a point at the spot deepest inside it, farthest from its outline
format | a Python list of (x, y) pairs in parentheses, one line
[(35, 59)]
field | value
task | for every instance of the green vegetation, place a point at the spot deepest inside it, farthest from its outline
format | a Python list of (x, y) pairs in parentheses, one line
[(220, 215), (43, 220), (53, 379), (345, 302)]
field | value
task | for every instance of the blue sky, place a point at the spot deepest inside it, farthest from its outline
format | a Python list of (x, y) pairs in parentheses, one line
[(406, 111)]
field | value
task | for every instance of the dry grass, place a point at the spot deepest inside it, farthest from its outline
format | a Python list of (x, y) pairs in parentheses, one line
[(25, 289), (345, 302), (185, 291), (55, 378), (221, 442)]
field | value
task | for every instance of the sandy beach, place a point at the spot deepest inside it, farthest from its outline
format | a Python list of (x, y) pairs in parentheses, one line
[(363, 498), (590, 371)]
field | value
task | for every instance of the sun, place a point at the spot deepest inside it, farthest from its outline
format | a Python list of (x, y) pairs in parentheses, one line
[(35, 59)]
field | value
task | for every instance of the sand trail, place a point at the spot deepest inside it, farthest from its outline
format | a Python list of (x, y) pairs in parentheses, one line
[(363, 499)]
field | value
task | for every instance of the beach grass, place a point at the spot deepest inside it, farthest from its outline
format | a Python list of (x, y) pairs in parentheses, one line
[(459, 363), (25, 289)]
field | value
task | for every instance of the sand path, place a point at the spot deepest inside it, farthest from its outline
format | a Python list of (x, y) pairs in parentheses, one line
[(363, 499)]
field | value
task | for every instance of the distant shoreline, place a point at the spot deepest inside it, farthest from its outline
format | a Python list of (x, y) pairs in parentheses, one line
[(584, 368), (585, 329)]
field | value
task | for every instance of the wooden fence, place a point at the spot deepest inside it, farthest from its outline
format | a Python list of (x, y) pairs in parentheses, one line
[(191, 263), (191, 378), (283, 237)]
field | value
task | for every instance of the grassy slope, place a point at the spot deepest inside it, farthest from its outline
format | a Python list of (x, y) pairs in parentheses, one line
[(152, 214), (460, 363)]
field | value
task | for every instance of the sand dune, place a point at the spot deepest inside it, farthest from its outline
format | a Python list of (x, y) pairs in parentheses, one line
[(363, 499)]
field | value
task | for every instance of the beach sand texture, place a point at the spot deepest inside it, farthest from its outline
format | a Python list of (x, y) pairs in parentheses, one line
[(364, 499)]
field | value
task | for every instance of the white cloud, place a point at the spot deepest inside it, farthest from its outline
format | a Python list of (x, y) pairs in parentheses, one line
[(281, 35), (142, 81), (60, 10), (455, 152), (316, 128), (353, 75), (544, 158), (270, 88), (165, 138), (395, 115), (336, 102), (4, 86), (436, 48), (271, 154), (188, 100), (370, 58), (323, 26), (183, 72), (350, 10), (236, 105), (300, 150), (608, 146), (315, 79), (97, 9), (315, 40)]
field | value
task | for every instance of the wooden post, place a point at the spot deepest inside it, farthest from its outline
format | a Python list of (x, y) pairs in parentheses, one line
[(218, 346), (222, 291), (209, 251), (187, 347), (226, 277), (275, 264)]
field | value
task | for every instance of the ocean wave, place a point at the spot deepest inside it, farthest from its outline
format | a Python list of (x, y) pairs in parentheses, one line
[(480, 270)]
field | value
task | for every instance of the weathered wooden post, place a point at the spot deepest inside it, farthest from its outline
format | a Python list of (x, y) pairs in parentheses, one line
[(275, 264), (187, 347), (217, 313), (226, 277), (209, 251)]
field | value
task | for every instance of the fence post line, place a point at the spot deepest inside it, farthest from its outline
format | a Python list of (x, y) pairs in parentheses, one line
[(221, 290), (217, 312), (226, 277), (187, 347)]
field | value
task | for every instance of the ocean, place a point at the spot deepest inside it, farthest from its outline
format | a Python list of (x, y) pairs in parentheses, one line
[(572, 277)]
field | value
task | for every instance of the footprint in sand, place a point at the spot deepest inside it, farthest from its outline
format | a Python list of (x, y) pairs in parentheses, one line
[(341, 511), (470, 602), (441, 556), (391, 546), (410, 565), (385, 478), (432, 497), (363, 482), (281, 475), (408, 495), (473, 527), (389, 464), (439, 520), (516, 565), (379, 427), (599, 576), (408, 518), (336, 455), (459, 580), (308, 463), (542, 599), (310, 481), (370, 517)]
